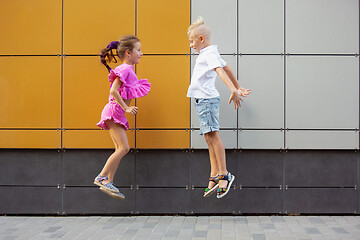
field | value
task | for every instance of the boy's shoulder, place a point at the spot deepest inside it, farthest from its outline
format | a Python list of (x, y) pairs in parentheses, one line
[(210, 49)]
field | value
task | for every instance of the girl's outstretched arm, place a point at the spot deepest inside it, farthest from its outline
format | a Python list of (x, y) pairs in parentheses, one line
[(114, 91)]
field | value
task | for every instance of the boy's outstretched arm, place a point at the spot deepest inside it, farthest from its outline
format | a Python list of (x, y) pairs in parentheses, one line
[(235, 95), (229, 72)]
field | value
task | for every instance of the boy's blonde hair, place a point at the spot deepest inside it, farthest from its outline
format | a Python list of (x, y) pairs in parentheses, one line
[(199, 28), (195, 25)]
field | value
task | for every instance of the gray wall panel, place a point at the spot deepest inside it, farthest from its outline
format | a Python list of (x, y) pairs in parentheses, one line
[(162, 200), (30, 200), (261, 26), (321, 169), (260, 200), (260, 169), (322, 139), (317, 182), (320, 200), (221, 17), (211, 204), (91, 200), (82, 166), (314, 26), (322, 92), (260, 139), (165, 168), (264, 107), (30, 167)]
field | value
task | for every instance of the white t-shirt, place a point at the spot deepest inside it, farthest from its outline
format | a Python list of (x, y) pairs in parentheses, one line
[(202, 83)]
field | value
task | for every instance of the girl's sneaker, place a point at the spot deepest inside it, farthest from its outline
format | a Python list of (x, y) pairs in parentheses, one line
[(108, 186), (221, 192), (117, 195)]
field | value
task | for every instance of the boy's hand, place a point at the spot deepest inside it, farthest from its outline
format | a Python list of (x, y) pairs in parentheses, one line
[(236, 98), (244, 92)]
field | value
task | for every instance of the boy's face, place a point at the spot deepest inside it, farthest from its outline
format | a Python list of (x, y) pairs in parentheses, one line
[(197, 43)]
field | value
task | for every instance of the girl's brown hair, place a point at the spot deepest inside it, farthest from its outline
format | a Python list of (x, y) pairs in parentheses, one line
[(126, 43)]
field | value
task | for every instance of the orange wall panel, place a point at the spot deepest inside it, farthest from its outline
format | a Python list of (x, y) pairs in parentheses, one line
[(86, 91), (30, 27), (89, 25), (166, 106), (162, 25), (30, 92), (30, 139), (170, 139), (92, 139)]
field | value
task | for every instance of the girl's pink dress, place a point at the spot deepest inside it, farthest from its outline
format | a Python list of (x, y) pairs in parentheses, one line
[(131, 88)]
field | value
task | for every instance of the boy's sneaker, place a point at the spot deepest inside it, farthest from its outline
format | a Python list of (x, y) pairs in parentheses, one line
[(221, 192)]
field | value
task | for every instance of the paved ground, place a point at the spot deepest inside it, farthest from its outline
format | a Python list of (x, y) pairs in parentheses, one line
[(181, 227)]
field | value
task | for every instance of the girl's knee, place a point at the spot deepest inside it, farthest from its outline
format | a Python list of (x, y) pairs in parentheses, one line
[(123, 149)]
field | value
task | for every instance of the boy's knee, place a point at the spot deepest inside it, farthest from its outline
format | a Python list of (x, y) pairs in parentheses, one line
[(208, 137)]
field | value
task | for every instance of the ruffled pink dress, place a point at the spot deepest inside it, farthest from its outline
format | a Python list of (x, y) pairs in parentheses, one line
[(131, 88)]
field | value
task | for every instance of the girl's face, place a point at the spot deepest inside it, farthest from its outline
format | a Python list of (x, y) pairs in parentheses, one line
[(135, 54)]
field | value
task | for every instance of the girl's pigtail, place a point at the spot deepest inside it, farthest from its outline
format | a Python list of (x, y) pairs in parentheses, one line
[(107, 55)]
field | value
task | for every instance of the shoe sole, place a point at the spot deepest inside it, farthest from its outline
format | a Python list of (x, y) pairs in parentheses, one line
[(109, 189), (112, 194), (228, 188), (211, 191)]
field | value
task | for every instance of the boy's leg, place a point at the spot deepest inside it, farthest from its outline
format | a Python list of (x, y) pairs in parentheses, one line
[(214, 139), (214, 171)]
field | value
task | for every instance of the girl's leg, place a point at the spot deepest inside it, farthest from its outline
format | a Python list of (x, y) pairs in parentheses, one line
[(219, 151), (119, 137)]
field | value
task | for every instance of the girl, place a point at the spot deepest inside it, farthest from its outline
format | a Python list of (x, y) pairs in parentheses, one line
[(124, 87)]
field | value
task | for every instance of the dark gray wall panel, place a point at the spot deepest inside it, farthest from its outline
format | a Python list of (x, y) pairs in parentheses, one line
[(199, 204), (358, 201), (321, 169), (82, 166), (30, 200), (91, 200), (260, 200), (162, 200), (200, 166), (30, 167), (320, 200), (260, 168), (165, 168)]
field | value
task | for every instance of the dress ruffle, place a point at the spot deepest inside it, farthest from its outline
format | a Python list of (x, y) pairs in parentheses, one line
[(139, 90), (114, 73), (113, 111), (103, 125)]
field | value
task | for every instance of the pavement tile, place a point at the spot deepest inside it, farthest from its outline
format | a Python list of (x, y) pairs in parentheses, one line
[(181, 227)]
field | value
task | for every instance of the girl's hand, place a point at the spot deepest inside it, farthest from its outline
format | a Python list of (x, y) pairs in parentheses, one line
[(133, 110)]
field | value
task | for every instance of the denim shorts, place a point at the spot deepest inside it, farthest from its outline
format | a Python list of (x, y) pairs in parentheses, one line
[(208, 114)]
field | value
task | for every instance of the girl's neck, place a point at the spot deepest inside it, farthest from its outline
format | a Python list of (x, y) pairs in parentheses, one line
[(127, 62)]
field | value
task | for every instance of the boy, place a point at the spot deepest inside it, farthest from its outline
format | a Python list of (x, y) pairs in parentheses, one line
[(207, 101)]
